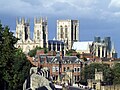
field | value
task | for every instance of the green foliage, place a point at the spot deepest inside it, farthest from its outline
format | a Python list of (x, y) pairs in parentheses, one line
[(69, 52), (14, 66), (116, 71), (89, 71), (21, 69), (85, 59), (78, 55), (32, 53)]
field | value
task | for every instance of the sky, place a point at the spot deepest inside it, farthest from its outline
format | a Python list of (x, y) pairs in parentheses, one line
[(96, 17)]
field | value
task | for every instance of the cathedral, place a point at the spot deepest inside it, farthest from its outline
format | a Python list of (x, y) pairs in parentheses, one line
[(67, 34), (40, 37), (67, 38)]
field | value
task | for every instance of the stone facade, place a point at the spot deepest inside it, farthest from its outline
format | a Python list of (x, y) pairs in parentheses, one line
[(37, 79), (23, 33), (103, 48), (68, 31), (96, 83)]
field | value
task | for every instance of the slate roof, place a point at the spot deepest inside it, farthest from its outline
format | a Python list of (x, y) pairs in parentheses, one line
[(56, 59)]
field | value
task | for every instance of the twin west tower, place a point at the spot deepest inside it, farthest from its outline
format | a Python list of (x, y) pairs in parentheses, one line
[(67, 31)]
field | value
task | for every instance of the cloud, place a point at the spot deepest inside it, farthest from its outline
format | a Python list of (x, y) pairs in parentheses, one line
[(114, 4), (96, 9), (45, 7)]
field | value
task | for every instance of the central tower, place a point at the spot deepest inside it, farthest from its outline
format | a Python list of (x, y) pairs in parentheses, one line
[(68, 31)]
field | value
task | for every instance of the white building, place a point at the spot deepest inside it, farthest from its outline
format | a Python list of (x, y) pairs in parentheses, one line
[(23, 33), (68, 31), (98, 47), (82, 47)]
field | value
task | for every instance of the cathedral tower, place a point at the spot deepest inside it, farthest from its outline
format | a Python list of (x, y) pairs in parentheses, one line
[(22, 29), (41, 32), (68, 31)]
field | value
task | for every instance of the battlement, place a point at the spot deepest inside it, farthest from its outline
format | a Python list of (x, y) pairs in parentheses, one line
[(23, 21), (40, 20)]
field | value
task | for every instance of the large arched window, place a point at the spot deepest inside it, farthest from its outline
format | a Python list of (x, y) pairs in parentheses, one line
[(75, 32), (66, 30), (61, 31), (38, 34)]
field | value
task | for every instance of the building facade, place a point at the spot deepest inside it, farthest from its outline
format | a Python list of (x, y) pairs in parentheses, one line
[(62, 68), (23, 33), (68, 31)]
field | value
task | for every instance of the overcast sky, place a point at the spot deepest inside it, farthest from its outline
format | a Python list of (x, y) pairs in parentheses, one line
[(97, 17)]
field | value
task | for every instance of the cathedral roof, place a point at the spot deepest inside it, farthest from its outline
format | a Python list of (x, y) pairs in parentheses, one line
[(82, 45)]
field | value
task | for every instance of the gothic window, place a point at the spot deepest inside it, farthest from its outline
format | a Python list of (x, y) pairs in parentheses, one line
[(61, 31), (75, 32), (38, 34), (66, 30), (99, 51), (20, 35)]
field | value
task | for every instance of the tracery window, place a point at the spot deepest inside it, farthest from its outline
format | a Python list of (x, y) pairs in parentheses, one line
[(38, 34), (20, 35), (61, 31), (66, 31)]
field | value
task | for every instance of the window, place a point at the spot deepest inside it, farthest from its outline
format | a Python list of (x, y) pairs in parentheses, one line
[(78, 69), (64, 69), (61, 31), (66, 30), (68, 68), (20, 35), (75, 70), (38, 34), (75, 32), (55, 69)]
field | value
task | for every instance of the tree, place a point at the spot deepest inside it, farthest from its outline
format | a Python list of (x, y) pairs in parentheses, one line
[(69, 52), (32, 53), (78, 55), (21, 69), (116, 71), (7, 50), (14, 66), (89, 71)]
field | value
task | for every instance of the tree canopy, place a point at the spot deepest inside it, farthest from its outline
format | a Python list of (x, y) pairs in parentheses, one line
[(116, 72), (89, 72), (14, 66), (32, 53)]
